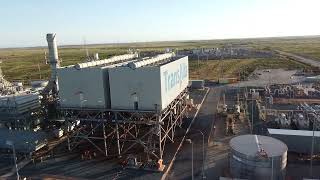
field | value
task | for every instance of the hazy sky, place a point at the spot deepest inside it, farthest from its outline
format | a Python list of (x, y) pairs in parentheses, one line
[(25, 22)]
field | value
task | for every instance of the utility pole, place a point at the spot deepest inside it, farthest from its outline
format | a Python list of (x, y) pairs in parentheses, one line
[(10, 143), (198, 65), (272, 168), (221, 67), (312, 146), (203, 150), (307, 108), (207, 58), (203, 158), (251, 113), (85, 48), (39, 69), (192, 174), (192, 159)]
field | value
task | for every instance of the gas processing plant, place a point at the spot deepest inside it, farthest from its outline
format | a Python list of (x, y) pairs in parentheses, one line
[(137, 115), (119, 106)]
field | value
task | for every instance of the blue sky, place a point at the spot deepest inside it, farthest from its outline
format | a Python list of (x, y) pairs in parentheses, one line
[(25, 22)]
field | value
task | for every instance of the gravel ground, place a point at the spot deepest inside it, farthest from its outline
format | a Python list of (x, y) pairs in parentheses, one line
[(261, 78)]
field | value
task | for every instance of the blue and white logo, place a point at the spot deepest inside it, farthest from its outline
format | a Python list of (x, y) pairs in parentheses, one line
[(174, 78)]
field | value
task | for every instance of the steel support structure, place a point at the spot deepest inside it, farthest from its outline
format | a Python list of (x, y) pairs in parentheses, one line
[(115, 133)]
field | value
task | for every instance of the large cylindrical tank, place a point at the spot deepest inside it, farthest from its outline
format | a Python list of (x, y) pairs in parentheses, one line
[(257, 157)]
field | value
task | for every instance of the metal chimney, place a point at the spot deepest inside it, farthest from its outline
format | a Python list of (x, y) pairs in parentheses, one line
[(54, 63), (53, 55)]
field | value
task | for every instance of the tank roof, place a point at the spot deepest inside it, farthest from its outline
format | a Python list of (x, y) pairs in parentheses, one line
[(291, 132), (247, 145)]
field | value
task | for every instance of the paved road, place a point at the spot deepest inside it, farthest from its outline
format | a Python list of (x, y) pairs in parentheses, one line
[(182, 166), (299, 58), (216, 163)]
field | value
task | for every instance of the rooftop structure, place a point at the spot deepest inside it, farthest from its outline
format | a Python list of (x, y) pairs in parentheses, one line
[(124, 82), (257, 157), (299, 141), (24, 141), (125, 104), (148, 87)]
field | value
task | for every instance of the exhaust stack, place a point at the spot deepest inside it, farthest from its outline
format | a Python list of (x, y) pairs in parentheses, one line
[(54, 63), (53, 55)]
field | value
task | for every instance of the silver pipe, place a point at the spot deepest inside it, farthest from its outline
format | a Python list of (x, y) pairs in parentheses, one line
[(152, 60), (113, 59), (54, 63)]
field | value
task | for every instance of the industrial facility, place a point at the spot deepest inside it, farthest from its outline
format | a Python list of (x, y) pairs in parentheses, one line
[(125, 107), (129, 115), (270, 129), (290, 113), (128, 103)]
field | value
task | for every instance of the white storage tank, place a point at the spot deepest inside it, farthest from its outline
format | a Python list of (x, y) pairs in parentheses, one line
[(148, 87), (257, 157)]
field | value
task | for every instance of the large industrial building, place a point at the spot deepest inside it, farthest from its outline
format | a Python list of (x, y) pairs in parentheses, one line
[(87, 84), (126, 109), (119, 106), (124, 104), (148, 86), (125, 83)]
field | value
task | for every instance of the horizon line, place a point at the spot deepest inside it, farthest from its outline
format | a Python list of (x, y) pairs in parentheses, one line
[(160, 41)]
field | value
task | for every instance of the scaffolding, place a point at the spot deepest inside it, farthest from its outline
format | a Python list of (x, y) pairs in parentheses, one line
[(116, 133)]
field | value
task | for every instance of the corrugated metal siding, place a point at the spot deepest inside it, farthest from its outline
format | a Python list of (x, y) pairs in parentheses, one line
[(241, 168), (154, 86), (298, 143), (174, 79), (126, 82), (92, 83), (245, 161), (24, 141), (18, 104)]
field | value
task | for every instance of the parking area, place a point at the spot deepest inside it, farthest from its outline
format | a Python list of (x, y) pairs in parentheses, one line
[(260, 78)]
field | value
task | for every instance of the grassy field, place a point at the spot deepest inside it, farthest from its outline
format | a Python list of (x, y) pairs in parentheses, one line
[(308, 46), (26, 64), (213, 69)]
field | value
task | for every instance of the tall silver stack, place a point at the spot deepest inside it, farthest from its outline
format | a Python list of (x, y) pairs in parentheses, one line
[(53, 61)]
